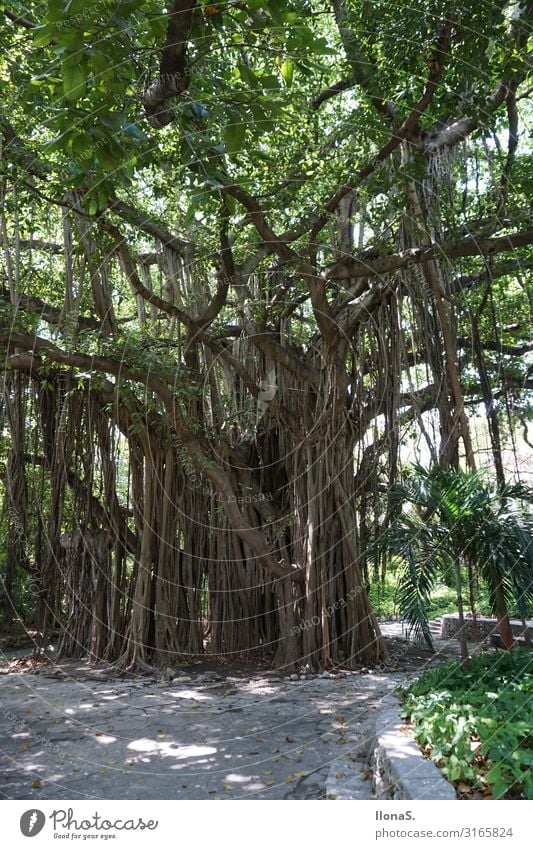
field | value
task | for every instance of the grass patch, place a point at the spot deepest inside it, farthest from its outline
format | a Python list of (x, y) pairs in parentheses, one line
[(477, 724)]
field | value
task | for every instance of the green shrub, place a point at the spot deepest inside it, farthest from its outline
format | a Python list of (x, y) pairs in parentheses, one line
[(476, 723)]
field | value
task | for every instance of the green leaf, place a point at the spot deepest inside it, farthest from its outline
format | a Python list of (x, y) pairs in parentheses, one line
[(74, 81), (42, 35), (234, 134), (134, 132), (287, 72), (248, 76), (277, 10), (231, 204)]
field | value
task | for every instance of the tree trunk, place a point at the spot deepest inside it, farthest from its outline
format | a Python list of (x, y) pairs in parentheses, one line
[(502, 614), (465, 657)]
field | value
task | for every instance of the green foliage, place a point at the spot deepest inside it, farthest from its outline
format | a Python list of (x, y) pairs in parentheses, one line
[(385, 602), (476, 723), (445, 516)]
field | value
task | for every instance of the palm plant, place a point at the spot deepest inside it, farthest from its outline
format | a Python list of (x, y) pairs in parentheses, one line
[(444, 518)]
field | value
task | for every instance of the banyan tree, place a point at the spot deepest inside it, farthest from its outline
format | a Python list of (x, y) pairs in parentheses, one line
[(249, 250)]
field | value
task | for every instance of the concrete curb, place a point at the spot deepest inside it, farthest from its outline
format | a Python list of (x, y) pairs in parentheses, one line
[(400, 771)]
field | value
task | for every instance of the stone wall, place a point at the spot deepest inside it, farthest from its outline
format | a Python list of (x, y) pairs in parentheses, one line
[(483, 628), (400, 771)]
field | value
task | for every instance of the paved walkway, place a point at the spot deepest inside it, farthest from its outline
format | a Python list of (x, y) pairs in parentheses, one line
[(77, 733)]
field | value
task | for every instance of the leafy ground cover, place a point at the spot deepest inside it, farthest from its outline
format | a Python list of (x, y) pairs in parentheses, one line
[(476, 724)]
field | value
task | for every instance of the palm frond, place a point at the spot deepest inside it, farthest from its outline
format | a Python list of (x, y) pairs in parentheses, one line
[(414, 590), (419, 547), (446, 516)]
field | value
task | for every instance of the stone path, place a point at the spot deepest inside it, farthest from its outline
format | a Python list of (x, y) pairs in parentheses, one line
[(73, 733)]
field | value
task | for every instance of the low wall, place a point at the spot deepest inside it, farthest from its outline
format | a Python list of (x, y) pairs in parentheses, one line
[(483, 628), (400, 771)]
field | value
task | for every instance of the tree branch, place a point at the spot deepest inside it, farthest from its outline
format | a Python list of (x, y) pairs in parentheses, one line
[(459, 129), (362, 67), (499, 347), (401, 133), (173, 77), (52, 315), (351, 267), (18, 19), (149, 224), (332, 91), (258, 219), (261, 338), (196, 331)]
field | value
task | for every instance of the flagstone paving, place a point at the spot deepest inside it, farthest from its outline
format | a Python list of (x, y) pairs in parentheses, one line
[(76, 731), (70, 732)]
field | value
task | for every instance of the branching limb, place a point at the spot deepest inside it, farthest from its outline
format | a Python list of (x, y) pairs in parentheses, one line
[(362, 67), (351, 267), (173, 77), (403, 132), (196, 329), (19, 19)]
